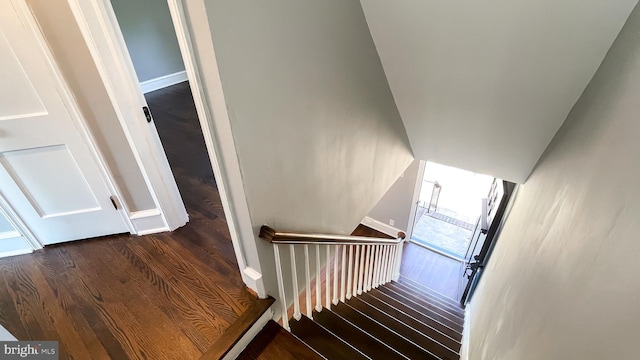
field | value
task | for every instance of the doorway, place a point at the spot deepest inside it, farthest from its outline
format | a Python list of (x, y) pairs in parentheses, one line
[(449, 208), (447, 225), (153, 48)]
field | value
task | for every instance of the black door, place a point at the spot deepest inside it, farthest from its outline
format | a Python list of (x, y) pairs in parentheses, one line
[(483, 240)]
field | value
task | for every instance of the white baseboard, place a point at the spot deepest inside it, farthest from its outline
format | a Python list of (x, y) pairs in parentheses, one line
[(147, 222), (249, 335), (466, 330), (380, 226), (254, 281), (163, 81), (15, 252), (5, 335)]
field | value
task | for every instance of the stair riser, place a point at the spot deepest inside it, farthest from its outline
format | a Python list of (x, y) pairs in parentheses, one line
[(379, 331), (354, 336), (406, 281), (425, 336), (418, 304), (449, 306), (455, 325)]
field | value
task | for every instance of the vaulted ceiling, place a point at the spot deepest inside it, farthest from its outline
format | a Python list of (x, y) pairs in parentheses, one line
[(485, 84)]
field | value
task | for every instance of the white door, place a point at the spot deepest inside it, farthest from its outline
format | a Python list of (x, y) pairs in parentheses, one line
[(48, 170)]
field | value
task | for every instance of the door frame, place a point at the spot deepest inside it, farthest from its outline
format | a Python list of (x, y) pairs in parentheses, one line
[(14, 219), (416, 198), (100, 29)]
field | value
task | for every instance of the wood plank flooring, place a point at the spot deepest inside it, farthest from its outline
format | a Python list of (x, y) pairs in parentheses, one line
[(163, 296), (432, 270)]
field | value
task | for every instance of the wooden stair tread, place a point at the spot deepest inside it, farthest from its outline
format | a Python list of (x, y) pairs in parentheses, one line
[(275, 343), (354, 336), (427, 293), (418, 314), (451, 338), (323, 341), (234, 333), (455, 308), (414, 284), (419, 304), (379, 331), (404, 325)]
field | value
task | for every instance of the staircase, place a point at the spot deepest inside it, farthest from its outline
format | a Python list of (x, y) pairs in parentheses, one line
[(378, 319)]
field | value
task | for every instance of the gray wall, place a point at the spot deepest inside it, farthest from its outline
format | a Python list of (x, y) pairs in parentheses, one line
[(150, 37), (396, 203), (318, 136), (562, 282)]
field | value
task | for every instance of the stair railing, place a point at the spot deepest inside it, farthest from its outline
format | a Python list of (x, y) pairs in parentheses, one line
[(366, 263)]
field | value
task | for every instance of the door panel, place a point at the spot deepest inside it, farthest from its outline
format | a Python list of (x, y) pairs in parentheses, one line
[(499, 196), (65, 192), (48, 172)]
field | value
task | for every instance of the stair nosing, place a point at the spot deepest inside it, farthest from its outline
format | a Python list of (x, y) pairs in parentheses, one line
[(413, 317), (440, 302), (459, 317), (415, 330), (232, 335), (427, 292), (391, 330), (369, 335), (428, 289), (334, 335)]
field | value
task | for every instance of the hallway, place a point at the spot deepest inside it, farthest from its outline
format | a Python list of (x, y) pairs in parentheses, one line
[(161, 296)]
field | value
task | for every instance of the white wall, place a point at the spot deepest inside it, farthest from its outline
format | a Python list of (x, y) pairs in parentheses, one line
[(485, 85), (397, 202), (562, 282), (73, 57), (148, 31)]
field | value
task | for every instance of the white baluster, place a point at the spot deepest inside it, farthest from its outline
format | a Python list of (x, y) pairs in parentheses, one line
[(343, 272), (367, 270), (307, 290), (318, 288), (350, 273), (379, 266), (371, 268), (335, 275), (283, 299), (383, 249), (396, 270), (327, 279), (385, 264), (361, 268), (356, 271), (392, 261), (296, 294)]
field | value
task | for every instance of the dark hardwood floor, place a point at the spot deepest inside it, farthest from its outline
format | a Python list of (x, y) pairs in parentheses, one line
[(162, 296)]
